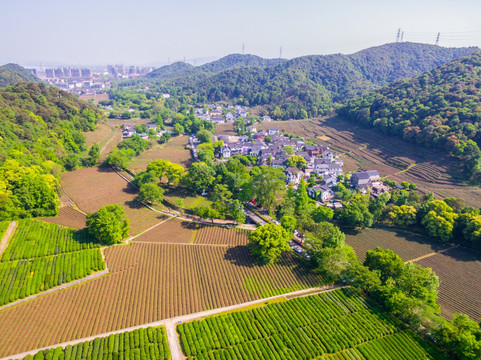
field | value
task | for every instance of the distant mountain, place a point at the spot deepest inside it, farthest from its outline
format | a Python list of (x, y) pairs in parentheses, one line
[(308, 85), (12, 73), (440, 108), (182, 69)]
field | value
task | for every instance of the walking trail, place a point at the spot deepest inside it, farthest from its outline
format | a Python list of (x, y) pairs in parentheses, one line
[(171, 323), (431, 254), (7, 235)]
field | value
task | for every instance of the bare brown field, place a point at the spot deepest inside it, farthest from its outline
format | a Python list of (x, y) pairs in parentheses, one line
[(460, 282), (362, 148), (148, 282), (68, 216), (93, 188), (407, 245), (226, 129), (95, 97), (174, 151), (221, 236), (102, 132), (172, 231)]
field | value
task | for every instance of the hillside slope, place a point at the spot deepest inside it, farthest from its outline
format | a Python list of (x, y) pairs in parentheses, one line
[(313, 85), (440, 108), (12, 73), (40, 133)]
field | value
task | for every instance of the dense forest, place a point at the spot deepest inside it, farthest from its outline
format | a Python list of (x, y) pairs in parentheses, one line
[(306, 86), (440, 108), (40, 134), (11, 74)]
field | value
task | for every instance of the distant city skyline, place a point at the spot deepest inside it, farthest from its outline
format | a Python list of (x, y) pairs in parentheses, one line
[(150, 32)]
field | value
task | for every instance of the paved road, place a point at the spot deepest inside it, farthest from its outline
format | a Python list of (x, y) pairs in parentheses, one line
[(172, 322)]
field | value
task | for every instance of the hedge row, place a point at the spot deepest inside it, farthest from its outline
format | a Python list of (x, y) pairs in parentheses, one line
[(141, 344)]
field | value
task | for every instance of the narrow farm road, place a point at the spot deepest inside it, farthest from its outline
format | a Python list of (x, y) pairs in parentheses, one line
[(431, 254), (172, 322), (6, 236), (173, 340)]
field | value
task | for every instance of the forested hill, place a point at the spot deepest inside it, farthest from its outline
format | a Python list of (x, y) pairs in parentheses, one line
[(440, 108), (40, 133), (11, 74), (182, 70), (313, 85)]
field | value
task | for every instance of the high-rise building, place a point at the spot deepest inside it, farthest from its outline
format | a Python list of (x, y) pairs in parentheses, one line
[(66, 72), (86, 73), (58, 73), (111, 70), (49, 73), (75, 73), (33, 71)]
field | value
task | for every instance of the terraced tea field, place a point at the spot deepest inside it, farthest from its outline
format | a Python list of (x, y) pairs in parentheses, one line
[(341, 324), (150, 281)]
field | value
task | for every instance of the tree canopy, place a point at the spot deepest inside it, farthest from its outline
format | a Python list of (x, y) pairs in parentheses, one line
[(109, 224)]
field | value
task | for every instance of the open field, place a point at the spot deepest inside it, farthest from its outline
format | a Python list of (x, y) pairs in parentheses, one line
[(147, 344), (68, 216), (226, 129), (172, 231), (363, 148), (404, 243), (148, 282), (95, 97), (95, 187), (174, 150), (340, 322), (460, 283), (189, 201), (220, 236), (41, 256)]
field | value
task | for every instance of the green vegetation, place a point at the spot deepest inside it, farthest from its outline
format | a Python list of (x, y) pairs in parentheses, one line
[(268, 242), (41, 256), (437, 109), (146, 344), (109, 224), (305, 328), (306, 86), (41, 133), (11, 74)]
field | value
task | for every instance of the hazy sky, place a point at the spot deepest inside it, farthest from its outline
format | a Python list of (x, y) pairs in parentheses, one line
[(152, 31)]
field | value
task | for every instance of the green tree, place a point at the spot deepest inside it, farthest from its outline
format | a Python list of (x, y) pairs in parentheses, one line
[(178, 129), (236, 211), (296, 161), (118, 159), (204, 136), (93, 155), (151, 193), (288, 150), (268, 242), (199, 177), (109, 224), (403, 215), (322, 213), (267, 184), (386, 261), (289, 223)]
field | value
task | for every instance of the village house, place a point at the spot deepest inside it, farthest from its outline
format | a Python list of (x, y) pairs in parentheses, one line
[(362, 180), (320, 192), (294, 175)]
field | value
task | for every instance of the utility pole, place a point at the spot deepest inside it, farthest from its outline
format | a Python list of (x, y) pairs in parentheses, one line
[(437, 39), (402, 36), (398, 34), (280, 53)]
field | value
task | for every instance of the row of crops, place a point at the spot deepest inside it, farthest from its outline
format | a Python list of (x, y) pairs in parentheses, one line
[(301, 328), (145, 344), (41, 256), (22, 278), (35, 238)]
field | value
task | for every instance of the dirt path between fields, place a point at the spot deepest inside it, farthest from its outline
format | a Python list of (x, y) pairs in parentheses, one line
[(6, 236), (171, 323), (431, 254)]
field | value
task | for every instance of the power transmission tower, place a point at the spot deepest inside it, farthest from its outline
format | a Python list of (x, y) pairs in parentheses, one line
[(437, 39), (402, 36), (243, 47), (280, 53), (398, 34)]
